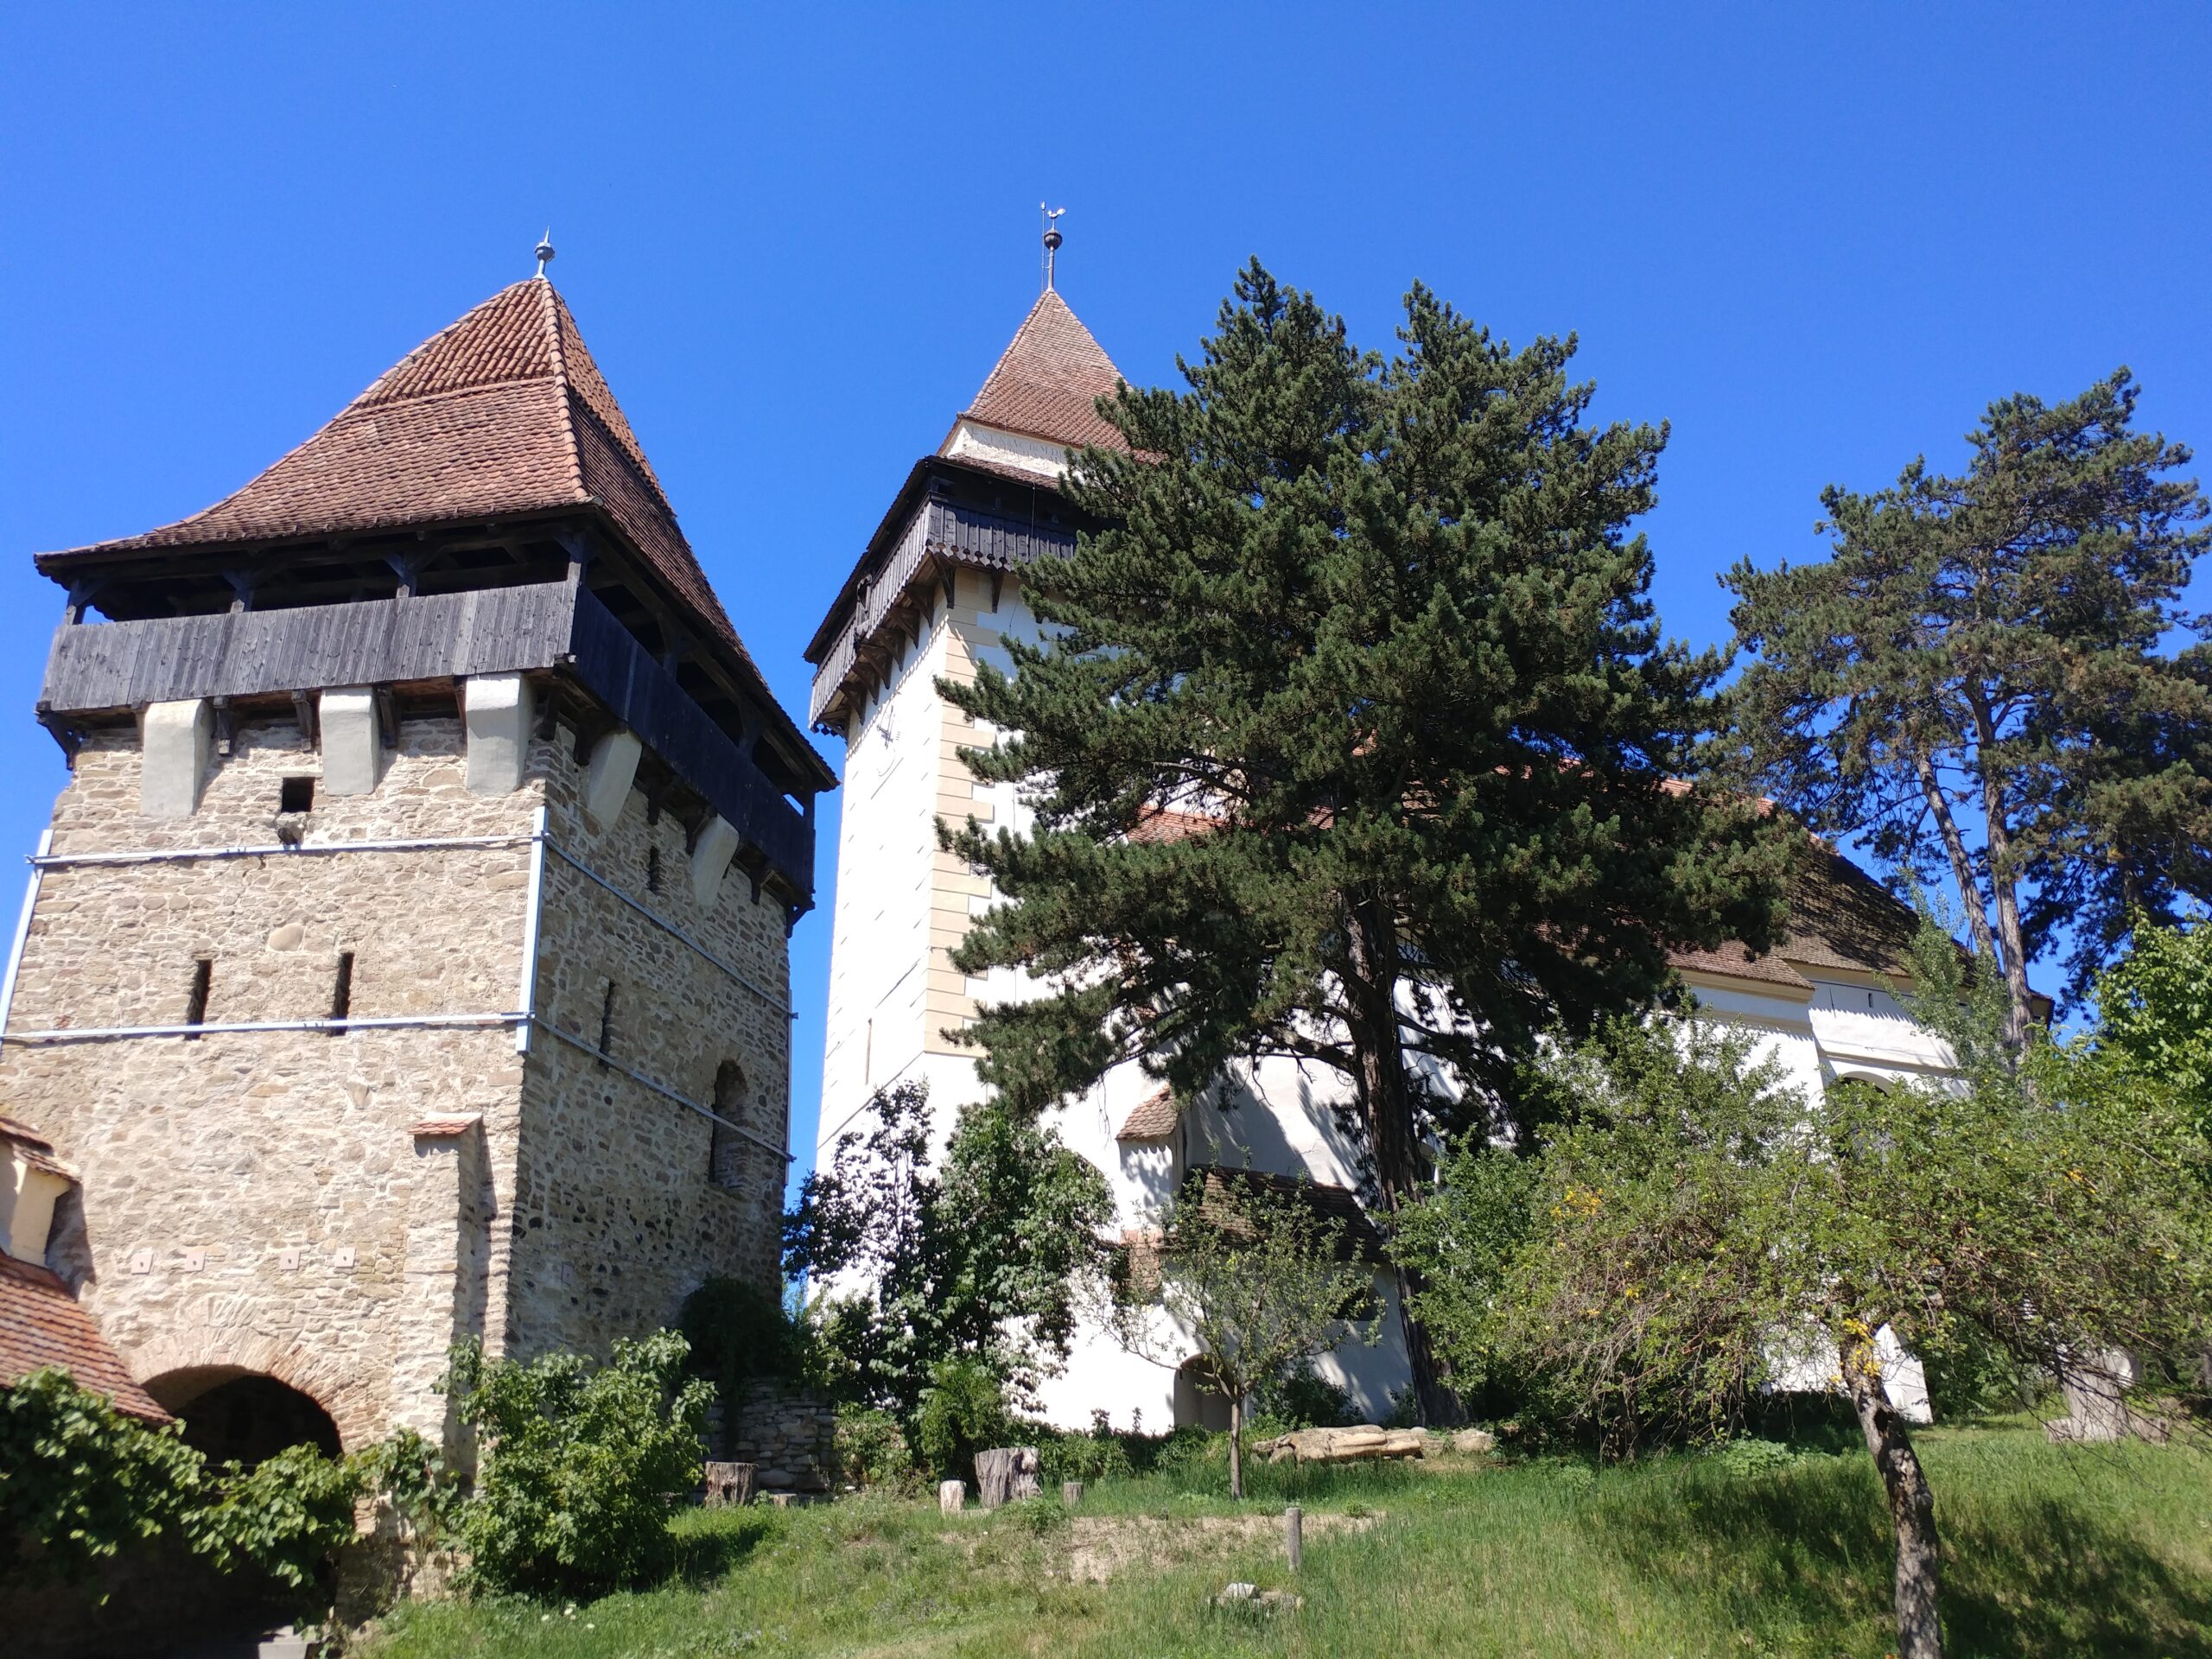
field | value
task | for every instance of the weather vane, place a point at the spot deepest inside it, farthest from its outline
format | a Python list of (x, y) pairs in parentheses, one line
[(1051, 238), (544, 250)]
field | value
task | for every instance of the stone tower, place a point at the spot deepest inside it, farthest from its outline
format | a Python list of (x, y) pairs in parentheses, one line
[(406, 960)]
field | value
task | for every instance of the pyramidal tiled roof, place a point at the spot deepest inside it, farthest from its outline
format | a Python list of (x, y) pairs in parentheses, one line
[(1048, 380), (503, 412)]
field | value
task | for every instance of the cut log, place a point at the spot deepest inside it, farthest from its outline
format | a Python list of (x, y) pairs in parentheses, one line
[(951, 1496), (1006, 1472), (1345, 1445), (729, 1483)]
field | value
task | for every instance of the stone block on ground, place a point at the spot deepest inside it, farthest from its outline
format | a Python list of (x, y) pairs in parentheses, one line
[(951, 1496)]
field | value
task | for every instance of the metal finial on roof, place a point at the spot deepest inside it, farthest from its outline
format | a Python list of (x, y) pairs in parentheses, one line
[(1051, 238), (544, 250)]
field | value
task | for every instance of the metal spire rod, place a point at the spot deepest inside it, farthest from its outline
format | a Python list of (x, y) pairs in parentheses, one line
[(1052, 239)]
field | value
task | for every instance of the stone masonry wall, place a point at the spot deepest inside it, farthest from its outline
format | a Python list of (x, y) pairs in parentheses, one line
[(261, 1201), (246, 1196), (615, 1219), (789, 1436)]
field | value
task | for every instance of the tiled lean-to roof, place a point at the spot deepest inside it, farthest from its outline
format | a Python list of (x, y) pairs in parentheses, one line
[(41, 1325), (502, 413)]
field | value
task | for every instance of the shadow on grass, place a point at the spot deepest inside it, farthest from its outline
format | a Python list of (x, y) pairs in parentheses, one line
[(710, 1542), (1807, 1553)]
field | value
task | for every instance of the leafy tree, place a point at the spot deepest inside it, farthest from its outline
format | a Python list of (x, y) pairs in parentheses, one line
[(1696, 1222), (83, 1480), (1972, 679), (1255, 1278), (578, 1464), (2155, 1018), (1380, 630), (983, 1259)]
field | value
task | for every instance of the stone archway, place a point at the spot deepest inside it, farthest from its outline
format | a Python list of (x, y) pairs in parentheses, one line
[(188, 1364), (232, 1415)]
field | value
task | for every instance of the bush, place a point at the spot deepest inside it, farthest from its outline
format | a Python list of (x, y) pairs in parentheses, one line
[(287, 1515), (964, 1412), (82, 1479), (1302, 1398), (740, 1334), (579, 1464), (873, 1452), (1098, 1455)]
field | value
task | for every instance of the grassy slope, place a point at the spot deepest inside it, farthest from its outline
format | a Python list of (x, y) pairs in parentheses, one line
[(2050, 1551)]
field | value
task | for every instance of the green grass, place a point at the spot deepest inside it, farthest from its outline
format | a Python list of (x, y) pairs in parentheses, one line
[(2048, 1551)]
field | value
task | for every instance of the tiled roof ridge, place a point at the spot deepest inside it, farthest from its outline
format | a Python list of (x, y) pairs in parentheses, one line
[(1046, 382), (552, 308)]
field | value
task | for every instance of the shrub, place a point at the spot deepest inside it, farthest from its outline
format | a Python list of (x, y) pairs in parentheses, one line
[(740, 1334), (964, 1412), (1098, 1455), (579, 1463), (82, 1479), (1302, 1398), (286, 1515), (872, 1451)]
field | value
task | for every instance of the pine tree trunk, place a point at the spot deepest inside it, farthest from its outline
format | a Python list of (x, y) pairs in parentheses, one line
[(2004, 887), (1235, 1447), (1370, 996), (1912, 1506), (1955, 848)]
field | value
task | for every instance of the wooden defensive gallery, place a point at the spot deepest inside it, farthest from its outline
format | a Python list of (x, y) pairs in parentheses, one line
[(406, 960)]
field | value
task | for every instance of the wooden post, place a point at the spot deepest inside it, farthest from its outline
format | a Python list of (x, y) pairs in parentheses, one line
[(1071, 1494), (951, 1496), (1293, 1536)]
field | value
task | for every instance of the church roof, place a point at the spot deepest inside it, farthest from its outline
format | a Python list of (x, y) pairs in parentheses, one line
[(502, 413), (1048, 379)]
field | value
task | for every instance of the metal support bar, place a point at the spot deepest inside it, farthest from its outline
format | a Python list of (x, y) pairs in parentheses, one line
[(669, 928), (212, 1028), (277, 849), (658, 1088)]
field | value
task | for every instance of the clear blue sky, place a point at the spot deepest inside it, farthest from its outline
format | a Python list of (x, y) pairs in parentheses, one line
[(1816, 239)]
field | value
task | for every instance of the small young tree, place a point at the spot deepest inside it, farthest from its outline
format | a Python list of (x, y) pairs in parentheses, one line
[(984, 1259), (1695, 1221), (1252, 1275)]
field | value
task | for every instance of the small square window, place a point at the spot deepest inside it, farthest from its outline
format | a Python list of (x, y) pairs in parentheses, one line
[(295, 795)]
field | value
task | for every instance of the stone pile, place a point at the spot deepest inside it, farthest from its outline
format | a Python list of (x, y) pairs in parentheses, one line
[(1367, 1441)]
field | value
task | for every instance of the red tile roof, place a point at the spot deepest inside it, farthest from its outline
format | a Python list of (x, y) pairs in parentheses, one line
[(1048, 380), (503, 412), (434, 1128), (42, 1324), (1152, 1119)]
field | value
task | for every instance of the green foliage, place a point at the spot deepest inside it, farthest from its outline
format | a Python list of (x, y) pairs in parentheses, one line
[(1386, 626), (83, 1480), (1301, 1397), (579, 1464), (2155, 1026), (286, 1515), (981, 1260), (740, 1334), (1973, 680), (1253, 1277), (963, 1411), (872, 1451), (1097, 1455)]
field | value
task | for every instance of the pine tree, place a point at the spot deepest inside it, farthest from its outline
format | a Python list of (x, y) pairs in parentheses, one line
[(1973, 680), (1352, 738)]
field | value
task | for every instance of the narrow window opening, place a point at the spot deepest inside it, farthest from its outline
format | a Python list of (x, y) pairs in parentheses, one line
[(195, 1005), (607, 1022), (653, 868), (341, 993), (725, 1148), (295, 795)]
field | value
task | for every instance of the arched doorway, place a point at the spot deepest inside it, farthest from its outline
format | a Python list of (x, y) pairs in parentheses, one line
[(233, 1415), (1197, 1403)]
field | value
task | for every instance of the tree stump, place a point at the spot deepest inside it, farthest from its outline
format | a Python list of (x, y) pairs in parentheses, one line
[(951, 1496), (729, 1483), (1071, 1494), (1006, 1472)]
